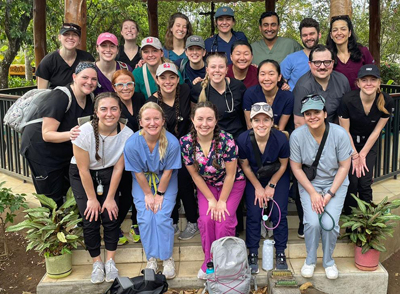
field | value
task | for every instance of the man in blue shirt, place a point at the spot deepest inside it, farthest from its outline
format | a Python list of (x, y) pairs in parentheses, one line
[(222, 42), (296, 64)]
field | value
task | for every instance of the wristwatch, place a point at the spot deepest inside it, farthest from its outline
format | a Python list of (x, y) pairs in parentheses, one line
[(271, 185), (159, 193), (330, 193)]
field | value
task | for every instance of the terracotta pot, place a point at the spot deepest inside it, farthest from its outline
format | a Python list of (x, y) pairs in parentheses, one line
[(59, 266), (368, 261)]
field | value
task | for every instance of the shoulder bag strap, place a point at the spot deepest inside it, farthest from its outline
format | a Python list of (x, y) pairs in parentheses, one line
[(321, 146), (255, 148), (146, 80)]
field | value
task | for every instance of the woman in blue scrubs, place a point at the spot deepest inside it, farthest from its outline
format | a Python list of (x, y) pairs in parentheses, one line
[(269, 90), (153, 157), (273, 147)]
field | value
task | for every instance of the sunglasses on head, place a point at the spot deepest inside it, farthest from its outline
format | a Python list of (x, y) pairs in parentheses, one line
[(258, 107), (67, 25), (315, 97)]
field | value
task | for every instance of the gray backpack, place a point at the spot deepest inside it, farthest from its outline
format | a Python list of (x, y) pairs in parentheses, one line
[(24, 110), (232, 273)]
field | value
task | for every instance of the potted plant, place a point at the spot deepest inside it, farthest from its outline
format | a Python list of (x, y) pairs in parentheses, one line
[(367, 226), (53, 232), (9, 204)]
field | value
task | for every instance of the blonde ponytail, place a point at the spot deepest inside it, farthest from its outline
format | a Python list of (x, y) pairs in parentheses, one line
[(162, 144), (204, 85), (381, 103)]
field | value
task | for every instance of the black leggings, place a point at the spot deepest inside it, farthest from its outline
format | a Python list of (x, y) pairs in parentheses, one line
[(126, 199), (91, 230)]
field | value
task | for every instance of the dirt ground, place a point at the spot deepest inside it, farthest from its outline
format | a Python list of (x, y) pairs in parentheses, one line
[(22, 271)]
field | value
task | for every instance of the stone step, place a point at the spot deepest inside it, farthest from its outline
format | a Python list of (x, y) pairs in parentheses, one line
[(191, 250), (351, 280)]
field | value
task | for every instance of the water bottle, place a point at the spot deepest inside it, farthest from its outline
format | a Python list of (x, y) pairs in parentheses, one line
[(268, 255), (210, 268)]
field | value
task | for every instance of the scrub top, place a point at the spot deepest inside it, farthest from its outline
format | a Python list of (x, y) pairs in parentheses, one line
[(251, 78), (217, 44), (140, 84), (229, 105), (103, 83), (184, 112), (137, 102), (294, 66), (124, 58), (283, 102), (361, 124), (171, 55), (227, 151)]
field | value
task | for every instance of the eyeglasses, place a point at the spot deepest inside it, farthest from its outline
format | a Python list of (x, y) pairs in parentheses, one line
[(318, 63), (257, 107), (315, 97), (128, 85)]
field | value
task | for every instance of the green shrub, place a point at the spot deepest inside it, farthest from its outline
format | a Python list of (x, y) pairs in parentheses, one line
[(390, 71), (16, 82)]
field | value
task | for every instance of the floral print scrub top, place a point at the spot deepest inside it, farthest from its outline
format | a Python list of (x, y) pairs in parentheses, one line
[(228, 151)]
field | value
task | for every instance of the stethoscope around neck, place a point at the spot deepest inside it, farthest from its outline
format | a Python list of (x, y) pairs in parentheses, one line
[(215, 41), (227, 89)]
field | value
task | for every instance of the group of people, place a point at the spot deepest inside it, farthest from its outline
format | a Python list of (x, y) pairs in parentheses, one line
[(214, 125)]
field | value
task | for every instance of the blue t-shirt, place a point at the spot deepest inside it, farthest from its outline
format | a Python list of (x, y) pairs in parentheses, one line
[(283, 102), (217, 44), (294, 66), (188, 73), (171, 55)]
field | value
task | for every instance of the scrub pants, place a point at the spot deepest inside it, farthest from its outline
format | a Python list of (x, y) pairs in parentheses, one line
[(254, 216), (186, 193), (211, 230), (156, 231), (91, 229), (361, 186), (312, 229), (126, 200)]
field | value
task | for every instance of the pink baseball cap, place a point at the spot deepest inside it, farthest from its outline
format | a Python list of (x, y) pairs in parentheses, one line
[(107, 37)]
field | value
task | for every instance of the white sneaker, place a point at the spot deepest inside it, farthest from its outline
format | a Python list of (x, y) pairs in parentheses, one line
[(201, 275), (169, 268), (307, 271), (152, 263), (332, 272)]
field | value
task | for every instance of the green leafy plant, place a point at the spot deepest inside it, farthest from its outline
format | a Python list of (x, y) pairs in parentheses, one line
[(370, 224), (390, 71), (51, 231), (10, 203)]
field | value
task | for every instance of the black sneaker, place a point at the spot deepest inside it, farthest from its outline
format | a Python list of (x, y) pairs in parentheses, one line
[(253, 263), (300, 231), (281, 261)]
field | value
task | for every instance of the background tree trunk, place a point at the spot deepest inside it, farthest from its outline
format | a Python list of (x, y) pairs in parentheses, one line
[(28, 66), (341, 7)]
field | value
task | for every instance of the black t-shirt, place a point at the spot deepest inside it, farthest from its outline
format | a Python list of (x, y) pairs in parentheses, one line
[(184, 112), (231, 117), (54, 68), (137, 102), (54, 105), (124, 58), (362, 125)]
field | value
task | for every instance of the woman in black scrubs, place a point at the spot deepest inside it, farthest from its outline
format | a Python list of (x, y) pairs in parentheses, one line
[(124, 85), (129, 52), (47, 145), (364, 113), (175, 99)]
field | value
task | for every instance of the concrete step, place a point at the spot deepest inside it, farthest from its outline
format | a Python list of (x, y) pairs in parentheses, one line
[(191, 250), (351, 280)]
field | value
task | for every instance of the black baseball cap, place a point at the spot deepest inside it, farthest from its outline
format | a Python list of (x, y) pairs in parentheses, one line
[(70, 27), (369, 70)]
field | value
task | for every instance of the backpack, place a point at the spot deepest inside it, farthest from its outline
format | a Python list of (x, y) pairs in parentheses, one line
[(24, 110), (232, 273)]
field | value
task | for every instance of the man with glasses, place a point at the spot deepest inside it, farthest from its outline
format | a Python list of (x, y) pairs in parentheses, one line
[(271, 46), (322, 80), (296, 64)]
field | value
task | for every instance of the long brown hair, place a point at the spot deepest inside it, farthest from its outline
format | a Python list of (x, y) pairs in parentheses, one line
[(169, 36)]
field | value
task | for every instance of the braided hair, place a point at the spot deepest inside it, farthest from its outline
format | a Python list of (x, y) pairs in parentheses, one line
[(176, 105), (216, 135)]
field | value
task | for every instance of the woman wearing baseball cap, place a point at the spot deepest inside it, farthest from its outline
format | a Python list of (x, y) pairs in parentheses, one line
[(323, 189), (222, 42), (107, 48), (364, 113), (273, 150), (56, 68)]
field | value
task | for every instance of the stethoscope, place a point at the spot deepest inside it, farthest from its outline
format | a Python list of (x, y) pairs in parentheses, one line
[(215, 41), (227, 89)]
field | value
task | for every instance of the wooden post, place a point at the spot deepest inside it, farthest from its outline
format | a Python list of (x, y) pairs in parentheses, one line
[(375, 30), (75, 11), (152, 13), (39, 29), (270, 5)]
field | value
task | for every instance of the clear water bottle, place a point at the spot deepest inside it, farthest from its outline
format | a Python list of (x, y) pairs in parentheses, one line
[(268, 255), (210, 268)]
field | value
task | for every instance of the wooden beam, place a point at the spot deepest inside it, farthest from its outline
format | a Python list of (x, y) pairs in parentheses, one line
[(39, 29), (75, 11), (375, 30), (270, 5), (152, 13)]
